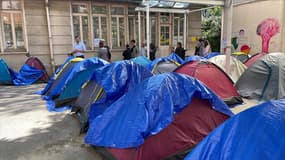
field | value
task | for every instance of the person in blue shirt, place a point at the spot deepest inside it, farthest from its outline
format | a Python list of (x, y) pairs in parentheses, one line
[(78, 48)]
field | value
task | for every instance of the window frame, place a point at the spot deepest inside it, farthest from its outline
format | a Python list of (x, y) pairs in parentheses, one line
[(89, 46), (12, 12), (179, 36), (118, 26), (100, 16)]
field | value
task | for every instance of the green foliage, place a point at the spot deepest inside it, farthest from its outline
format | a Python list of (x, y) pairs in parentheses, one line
[(211, 27)]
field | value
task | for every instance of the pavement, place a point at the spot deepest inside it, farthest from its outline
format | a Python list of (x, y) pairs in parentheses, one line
[(29, 132)]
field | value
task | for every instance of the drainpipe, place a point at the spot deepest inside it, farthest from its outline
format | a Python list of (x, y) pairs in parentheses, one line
[(50, 38), (147, 30)]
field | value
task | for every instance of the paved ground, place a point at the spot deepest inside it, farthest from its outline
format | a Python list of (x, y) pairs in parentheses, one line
[(29, 132)]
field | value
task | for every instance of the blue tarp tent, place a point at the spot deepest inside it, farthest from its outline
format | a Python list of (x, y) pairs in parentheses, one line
[(27, 75), (107, 85), (193, 58), (213, 54), (141, 60), (254, 134), (116, 79), (5, 76), (147, 109), (50, 82), (175, 57), (68, 82)]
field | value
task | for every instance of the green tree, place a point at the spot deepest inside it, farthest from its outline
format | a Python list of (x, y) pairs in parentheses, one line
[(211, 27)]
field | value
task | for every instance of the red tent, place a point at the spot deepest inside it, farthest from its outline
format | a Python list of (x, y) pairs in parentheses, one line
[(188, 128), (36, 63), (213, 77), (253, 58)]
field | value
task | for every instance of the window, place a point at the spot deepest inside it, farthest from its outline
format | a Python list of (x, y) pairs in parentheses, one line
[(81, 22), (153, 31), (12, 26), (164, 35), (178, 35), (117, 27), (99, 22), (117, 11)]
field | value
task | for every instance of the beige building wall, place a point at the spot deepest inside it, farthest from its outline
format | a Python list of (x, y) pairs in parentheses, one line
[(249, 16), (61, 31), (194, 31)]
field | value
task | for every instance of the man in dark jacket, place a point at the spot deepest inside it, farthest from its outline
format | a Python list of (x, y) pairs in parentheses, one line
[(180, 51)]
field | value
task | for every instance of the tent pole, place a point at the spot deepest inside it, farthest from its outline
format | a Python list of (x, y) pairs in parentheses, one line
[(52, 63), (147, 30)]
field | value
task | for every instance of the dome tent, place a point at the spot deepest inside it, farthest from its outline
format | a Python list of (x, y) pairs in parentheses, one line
[(143, 132), (265, 79)]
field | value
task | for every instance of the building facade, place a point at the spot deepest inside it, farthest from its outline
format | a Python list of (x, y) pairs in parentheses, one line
[(249, 14), (46, 30)]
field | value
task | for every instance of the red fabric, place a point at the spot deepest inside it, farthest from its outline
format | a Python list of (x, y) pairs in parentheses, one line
[(36, 63), (211, 76), (188, 128), (253, 59)]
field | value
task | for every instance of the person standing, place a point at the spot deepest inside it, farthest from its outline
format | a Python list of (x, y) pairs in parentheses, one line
[(207, 48), (180, 51), (103, 51), (199, 47), (143, 50), (134, 49), (78, 48), (127, 53), (152, 52)]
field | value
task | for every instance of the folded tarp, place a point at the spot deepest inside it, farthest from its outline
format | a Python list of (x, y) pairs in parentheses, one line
[(27, 75), (254, 134), (147, 109)]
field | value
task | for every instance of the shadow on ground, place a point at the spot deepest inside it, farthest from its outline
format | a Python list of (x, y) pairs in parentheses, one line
[(29, 132)]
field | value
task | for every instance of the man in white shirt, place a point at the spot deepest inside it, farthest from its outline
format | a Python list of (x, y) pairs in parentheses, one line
[(78, 48)]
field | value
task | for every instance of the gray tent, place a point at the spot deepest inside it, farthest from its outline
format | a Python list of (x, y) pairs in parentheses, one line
[(165, 67), (265, 79)]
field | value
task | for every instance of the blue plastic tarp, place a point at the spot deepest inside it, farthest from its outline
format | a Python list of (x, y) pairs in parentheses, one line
[(116, 79), (194, 58), (50, 82), (141, 60), (213, 54), (175, 57), (70, 86), (27, 75), (255, 134), (147, 109)]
